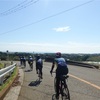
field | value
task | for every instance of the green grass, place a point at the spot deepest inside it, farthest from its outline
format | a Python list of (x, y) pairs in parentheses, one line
[(4, 64), (1, 65), (9, 80)]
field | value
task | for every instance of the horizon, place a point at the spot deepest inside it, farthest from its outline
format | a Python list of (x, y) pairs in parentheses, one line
[(45, 52)]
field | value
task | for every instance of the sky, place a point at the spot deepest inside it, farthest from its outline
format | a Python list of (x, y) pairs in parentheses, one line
[(67, 26)]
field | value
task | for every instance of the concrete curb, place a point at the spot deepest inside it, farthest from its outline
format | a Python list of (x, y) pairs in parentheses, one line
[(14, 91)]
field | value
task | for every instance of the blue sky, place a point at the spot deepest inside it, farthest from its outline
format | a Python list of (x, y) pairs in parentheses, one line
[(67, 26)]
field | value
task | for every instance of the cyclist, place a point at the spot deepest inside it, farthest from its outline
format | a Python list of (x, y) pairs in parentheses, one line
[(21, 60), (61, 69), (37, 57), (24, 61), (30, 62), (39, 65)]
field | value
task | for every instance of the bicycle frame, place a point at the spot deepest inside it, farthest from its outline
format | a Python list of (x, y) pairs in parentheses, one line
[(63, 88)]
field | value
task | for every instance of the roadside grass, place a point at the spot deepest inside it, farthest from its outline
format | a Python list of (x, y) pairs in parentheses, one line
[(4, 64), (1, 65), (10, 79)]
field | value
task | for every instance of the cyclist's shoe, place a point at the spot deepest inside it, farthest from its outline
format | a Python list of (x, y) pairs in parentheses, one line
[(37, 72)]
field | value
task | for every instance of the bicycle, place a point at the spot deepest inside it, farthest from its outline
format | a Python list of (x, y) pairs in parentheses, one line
[(63, 88)]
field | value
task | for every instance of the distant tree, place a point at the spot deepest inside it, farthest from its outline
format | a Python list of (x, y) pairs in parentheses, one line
[(85, 57)]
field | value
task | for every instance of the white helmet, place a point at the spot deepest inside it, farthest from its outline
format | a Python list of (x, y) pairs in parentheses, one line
[(30, 56)]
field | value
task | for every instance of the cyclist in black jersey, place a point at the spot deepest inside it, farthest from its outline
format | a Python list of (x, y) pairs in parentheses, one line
[(61, 69), (39, 65)]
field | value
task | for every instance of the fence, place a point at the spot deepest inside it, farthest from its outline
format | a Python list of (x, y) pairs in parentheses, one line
[(6, 71), (83, 64)]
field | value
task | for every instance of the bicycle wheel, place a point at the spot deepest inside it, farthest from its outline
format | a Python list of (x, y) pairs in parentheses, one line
[(66, 94), (54, 97)]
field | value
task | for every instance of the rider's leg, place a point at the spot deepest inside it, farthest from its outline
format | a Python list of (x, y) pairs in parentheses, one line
[(21, 63), (58, 74), (36, 68), (25, 64), (57, 87), (41, 73)]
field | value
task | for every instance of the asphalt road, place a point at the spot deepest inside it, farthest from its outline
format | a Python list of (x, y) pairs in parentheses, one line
[(83, 84)]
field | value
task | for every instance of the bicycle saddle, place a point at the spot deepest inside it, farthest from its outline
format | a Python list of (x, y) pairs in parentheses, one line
[(64, 77)]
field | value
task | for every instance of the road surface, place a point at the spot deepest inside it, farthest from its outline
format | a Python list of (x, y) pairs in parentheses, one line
[(83, 84)]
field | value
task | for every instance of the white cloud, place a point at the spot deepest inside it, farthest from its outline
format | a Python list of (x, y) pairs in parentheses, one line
[(62, 29), (69, 47)]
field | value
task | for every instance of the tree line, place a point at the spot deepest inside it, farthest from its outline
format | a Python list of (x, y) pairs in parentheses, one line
[(74, 57)]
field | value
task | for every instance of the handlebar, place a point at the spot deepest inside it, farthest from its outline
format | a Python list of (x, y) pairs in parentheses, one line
[(65, 76)]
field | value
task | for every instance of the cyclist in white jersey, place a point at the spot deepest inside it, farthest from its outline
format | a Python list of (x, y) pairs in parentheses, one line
[(30, 62), (61, 69)]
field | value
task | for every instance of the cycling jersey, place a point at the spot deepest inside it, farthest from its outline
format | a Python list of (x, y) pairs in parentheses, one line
[(60, 62), (30, 60), (39, 63), (61, 66)]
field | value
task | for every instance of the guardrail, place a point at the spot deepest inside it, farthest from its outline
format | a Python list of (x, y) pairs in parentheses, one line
[(8, 70), (83, 64), (77, 63)]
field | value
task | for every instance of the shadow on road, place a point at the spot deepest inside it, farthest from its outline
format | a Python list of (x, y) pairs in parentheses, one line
[(35, 83), (28, 70)]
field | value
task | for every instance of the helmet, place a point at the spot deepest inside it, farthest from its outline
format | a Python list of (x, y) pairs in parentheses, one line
[(30, 56), (58, 54)]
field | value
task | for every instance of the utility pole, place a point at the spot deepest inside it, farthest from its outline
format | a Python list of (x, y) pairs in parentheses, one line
[(7, 55)]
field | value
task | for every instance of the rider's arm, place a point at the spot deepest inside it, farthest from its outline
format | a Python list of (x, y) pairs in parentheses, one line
[(53, 64)]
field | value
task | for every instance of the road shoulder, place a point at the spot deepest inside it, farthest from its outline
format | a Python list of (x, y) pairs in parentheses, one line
[(16, 87)]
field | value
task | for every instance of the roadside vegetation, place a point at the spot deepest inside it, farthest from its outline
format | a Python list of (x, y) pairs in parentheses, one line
[(9, 80), (1, 65), (4, 64), (15, 56)]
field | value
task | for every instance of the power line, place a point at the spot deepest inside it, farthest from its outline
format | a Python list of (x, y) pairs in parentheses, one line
[(18, 7), (47, 17)]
